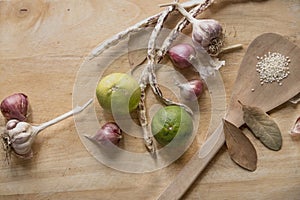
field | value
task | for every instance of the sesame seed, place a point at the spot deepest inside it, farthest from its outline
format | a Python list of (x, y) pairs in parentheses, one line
[(272, 67)]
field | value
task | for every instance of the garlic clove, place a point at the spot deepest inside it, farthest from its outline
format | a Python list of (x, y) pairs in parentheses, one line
[(11, 124), (21, 138), (15, 107), (295, 131), (22, 148), (25, 153), (19, 128), (200, 37)]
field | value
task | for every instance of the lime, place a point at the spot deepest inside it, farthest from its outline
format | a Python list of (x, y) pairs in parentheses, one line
[(119, 93), (171, 121)]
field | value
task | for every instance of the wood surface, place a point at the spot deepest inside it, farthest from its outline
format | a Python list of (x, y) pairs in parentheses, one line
[(43, 44), (248, 90)]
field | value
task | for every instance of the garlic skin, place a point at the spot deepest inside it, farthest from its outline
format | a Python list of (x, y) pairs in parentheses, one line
[(295, 131), (19, 137), (15, 107), (182, 55), (207, 33)]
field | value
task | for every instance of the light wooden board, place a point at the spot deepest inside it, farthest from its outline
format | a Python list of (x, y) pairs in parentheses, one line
[(43, 44)]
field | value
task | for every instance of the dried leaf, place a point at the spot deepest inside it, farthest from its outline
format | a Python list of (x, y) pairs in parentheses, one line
[(239, 147), (263, 127), (137, 57), (137, 53)]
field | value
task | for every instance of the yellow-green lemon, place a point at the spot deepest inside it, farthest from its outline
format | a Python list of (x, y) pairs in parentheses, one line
[(171, 121), (118, 93)]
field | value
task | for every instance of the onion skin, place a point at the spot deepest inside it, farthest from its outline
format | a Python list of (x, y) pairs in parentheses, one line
[(15, 107), (182, 55)]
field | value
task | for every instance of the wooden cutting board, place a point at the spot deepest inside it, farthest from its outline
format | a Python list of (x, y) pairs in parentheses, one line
[(248, 90)]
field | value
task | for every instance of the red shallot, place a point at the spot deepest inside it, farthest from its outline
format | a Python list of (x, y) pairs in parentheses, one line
[(109, 132), (15, 107), (182, 55), (191, 90)]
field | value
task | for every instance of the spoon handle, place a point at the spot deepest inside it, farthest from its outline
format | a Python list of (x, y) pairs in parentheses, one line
[(195, 166)]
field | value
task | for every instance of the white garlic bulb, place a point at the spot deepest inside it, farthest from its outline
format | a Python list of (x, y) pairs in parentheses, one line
[(18, 137), (21, 138)]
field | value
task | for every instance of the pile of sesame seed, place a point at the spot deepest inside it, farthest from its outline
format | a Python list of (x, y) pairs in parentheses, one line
[(272, 67)]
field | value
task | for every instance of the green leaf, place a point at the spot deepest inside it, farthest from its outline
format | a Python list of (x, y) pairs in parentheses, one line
[(263, 127), (239, 147)]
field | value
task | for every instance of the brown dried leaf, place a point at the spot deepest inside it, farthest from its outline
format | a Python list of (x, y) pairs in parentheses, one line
[(137, 50), (137, 57), (239, 147), (263, 127)]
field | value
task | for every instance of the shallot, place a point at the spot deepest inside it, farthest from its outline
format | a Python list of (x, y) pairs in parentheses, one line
[(109, 132), (182, 55), (15, 106), (191, 90)]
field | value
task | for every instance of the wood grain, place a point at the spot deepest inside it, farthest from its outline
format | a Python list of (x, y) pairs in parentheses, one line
[(43, 44), (262, 97)]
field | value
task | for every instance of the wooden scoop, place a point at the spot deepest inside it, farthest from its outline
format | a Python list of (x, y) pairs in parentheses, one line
[(249, 91)]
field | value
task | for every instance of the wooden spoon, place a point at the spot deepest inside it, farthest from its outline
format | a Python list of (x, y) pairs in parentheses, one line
[(247, 89)]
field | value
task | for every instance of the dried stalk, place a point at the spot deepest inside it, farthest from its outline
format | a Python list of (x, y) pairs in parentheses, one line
[(135, 28), (147, 72), (163, 50), (123, 34)]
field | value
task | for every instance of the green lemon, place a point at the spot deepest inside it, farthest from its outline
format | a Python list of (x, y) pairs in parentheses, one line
[(119, 93), (171, 121)]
